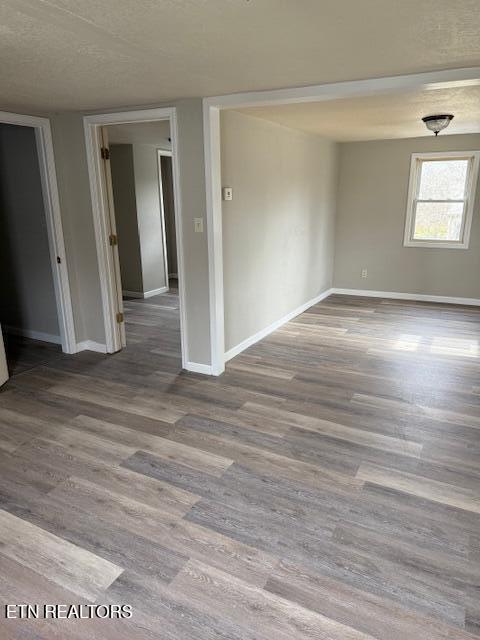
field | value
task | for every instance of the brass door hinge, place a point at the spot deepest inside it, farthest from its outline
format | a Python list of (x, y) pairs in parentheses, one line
[(113, 240), (105, 153), (120, 317)]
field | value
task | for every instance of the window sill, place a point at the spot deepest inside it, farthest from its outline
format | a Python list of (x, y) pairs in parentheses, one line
[(435, 245)]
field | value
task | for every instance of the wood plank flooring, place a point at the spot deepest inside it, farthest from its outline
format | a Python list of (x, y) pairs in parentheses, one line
[(327, 486), (24, 353)]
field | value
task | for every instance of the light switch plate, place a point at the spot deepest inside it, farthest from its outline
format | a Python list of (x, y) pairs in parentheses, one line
[(198, 225), (227, 193)]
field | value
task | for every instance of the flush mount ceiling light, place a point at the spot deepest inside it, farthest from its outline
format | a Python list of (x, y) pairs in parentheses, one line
[(438, 122)]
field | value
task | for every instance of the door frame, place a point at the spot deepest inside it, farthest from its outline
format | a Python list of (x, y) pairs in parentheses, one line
[(92, 127), (315, 93), (168, 154), (56, 243)]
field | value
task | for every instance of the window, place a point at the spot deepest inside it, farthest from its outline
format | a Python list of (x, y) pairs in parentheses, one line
[(440, 199)]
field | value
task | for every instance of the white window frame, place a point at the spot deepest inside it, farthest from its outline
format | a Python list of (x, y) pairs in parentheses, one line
[(414, 183)]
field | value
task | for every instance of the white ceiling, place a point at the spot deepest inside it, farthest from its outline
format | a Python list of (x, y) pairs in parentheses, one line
[(152, 133), (380, 116), (70, 55)]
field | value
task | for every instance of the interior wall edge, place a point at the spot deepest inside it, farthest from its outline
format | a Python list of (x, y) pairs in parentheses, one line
[(284, 185), (234, 351)]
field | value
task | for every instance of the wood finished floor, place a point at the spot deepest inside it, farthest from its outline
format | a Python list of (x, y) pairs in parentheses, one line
[(327, 486), (24, 353)]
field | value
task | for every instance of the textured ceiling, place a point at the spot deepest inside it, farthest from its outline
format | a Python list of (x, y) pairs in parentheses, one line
[(380, 116), (153, 133), (73, 55)]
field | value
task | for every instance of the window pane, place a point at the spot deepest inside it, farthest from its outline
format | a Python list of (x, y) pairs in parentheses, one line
[(443, 179), (438, 221)]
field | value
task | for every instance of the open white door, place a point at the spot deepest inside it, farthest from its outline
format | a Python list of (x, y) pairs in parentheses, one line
[(3, 362), (105, 153)]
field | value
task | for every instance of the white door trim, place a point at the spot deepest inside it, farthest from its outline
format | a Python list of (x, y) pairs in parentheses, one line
[(3, 362), (160, 153), (213, 187), (211, 131), (46, 160), (92, 126)]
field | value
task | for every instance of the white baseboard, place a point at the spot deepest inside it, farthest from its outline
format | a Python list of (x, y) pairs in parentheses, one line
[(196, 367), (234, 351), (396, 295), (155, 292), (144, 294), (91, 345), (33, 335)]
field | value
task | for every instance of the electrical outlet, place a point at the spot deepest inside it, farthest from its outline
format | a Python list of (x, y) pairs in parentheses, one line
[(364, 273)]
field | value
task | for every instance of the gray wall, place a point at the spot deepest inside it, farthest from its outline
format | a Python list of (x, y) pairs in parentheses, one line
[(75, 203), (123, 183), (278, 232), (149, 216), (195, 245), (371, 210), (26, 284)]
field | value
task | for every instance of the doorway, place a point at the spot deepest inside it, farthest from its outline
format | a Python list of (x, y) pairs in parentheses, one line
[(165, 172), (35, 309), (136, 212)]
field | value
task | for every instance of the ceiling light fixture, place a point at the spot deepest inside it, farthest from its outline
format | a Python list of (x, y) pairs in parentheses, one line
[(437, 123)]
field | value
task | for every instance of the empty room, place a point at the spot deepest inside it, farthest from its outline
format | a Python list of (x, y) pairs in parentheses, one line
[(240, 320), (30, 311)]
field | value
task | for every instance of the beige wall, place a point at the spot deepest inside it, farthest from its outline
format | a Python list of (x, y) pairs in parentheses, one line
[(278, 232), (371, 209), (149, 215), (75, 203), (136, 192), (195, 245), (123, 184)]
